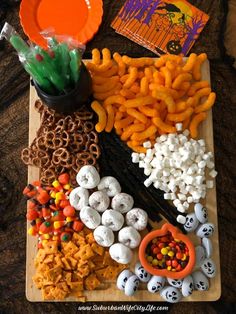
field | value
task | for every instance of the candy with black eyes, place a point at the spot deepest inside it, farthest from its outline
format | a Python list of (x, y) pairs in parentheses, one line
[(200, 255), (171, 294), (155, 284), (142, 274), (187, 286), (209, 268), (201, 213), (200, 281), (207, 244), (206, 230), (131, 285), (123, 278), (191, 222), (177, 283)]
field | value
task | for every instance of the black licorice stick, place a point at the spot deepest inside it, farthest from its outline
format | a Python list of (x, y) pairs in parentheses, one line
[(116, 158)]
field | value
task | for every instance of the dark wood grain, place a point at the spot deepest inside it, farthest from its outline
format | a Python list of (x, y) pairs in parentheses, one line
[(14, 94)]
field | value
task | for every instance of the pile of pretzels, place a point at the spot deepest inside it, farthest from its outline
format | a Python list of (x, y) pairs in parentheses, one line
[(109, 212), (62, 144)]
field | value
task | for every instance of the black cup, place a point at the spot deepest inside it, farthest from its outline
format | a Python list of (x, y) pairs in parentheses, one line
[(73, 100)]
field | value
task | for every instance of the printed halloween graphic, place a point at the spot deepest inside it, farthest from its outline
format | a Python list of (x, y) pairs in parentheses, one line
[(163, 26)]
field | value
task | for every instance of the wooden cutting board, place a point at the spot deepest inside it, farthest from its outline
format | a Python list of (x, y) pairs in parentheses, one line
[(109, 291)]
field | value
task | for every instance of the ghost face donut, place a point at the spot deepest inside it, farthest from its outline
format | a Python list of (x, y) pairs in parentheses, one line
[(104, 236), (88, 177), (99, 200), (129, 237), (109, 185), (90, 217), (122, 279), (113, 219), (79, 198), (137, 218), (121, 253), (122, 202)]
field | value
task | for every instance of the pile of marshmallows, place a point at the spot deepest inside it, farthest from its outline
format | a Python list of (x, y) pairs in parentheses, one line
[(105, 209), (177, 165)]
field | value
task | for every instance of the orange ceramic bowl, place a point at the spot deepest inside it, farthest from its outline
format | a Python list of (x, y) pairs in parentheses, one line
[(164, 272)]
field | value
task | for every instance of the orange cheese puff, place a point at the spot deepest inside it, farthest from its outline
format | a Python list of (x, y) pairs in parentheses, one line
[(140, 75), (96, 57), (186, 123), (138, 115), (99, 80), (151, 130), (121, 65), (137, 149), (207, 104), (160, 62), (180, 106), (165, 90), (102, 116), (103, 96), (197, 85), (149, 112), (144, 87), (118, 131), (135, 88), (101, 67), (124, 78), (131, 129), (134, 103), (123, 123), (176, 72), (168, 99), (137, 62), (179, 117), (119, 115), (105, 87), (158, 78), (201, 93), (190, 102), (110, 118), (148, 73), (195, 122), (106, 55), (167, 128), (127, 93), (133, 73), (185, 86), (167, 75), (197, 67), (171, 65), (114, 99), (180, 79), (190, 62), (134, 143), (122, 108), (110, 72)]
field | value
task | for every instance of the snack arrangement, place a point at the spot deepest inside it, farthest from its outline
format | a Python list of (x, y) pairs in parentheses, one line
[(90, 233), (143, 98)]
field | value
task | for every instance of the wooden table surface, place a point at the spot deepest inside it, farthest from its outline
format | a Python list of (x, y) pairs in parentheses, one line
[(14, 111)]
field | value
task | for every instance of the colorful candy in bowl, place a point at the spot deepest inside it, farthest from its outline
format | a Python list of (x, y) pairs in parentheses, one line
[(167, 252)]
